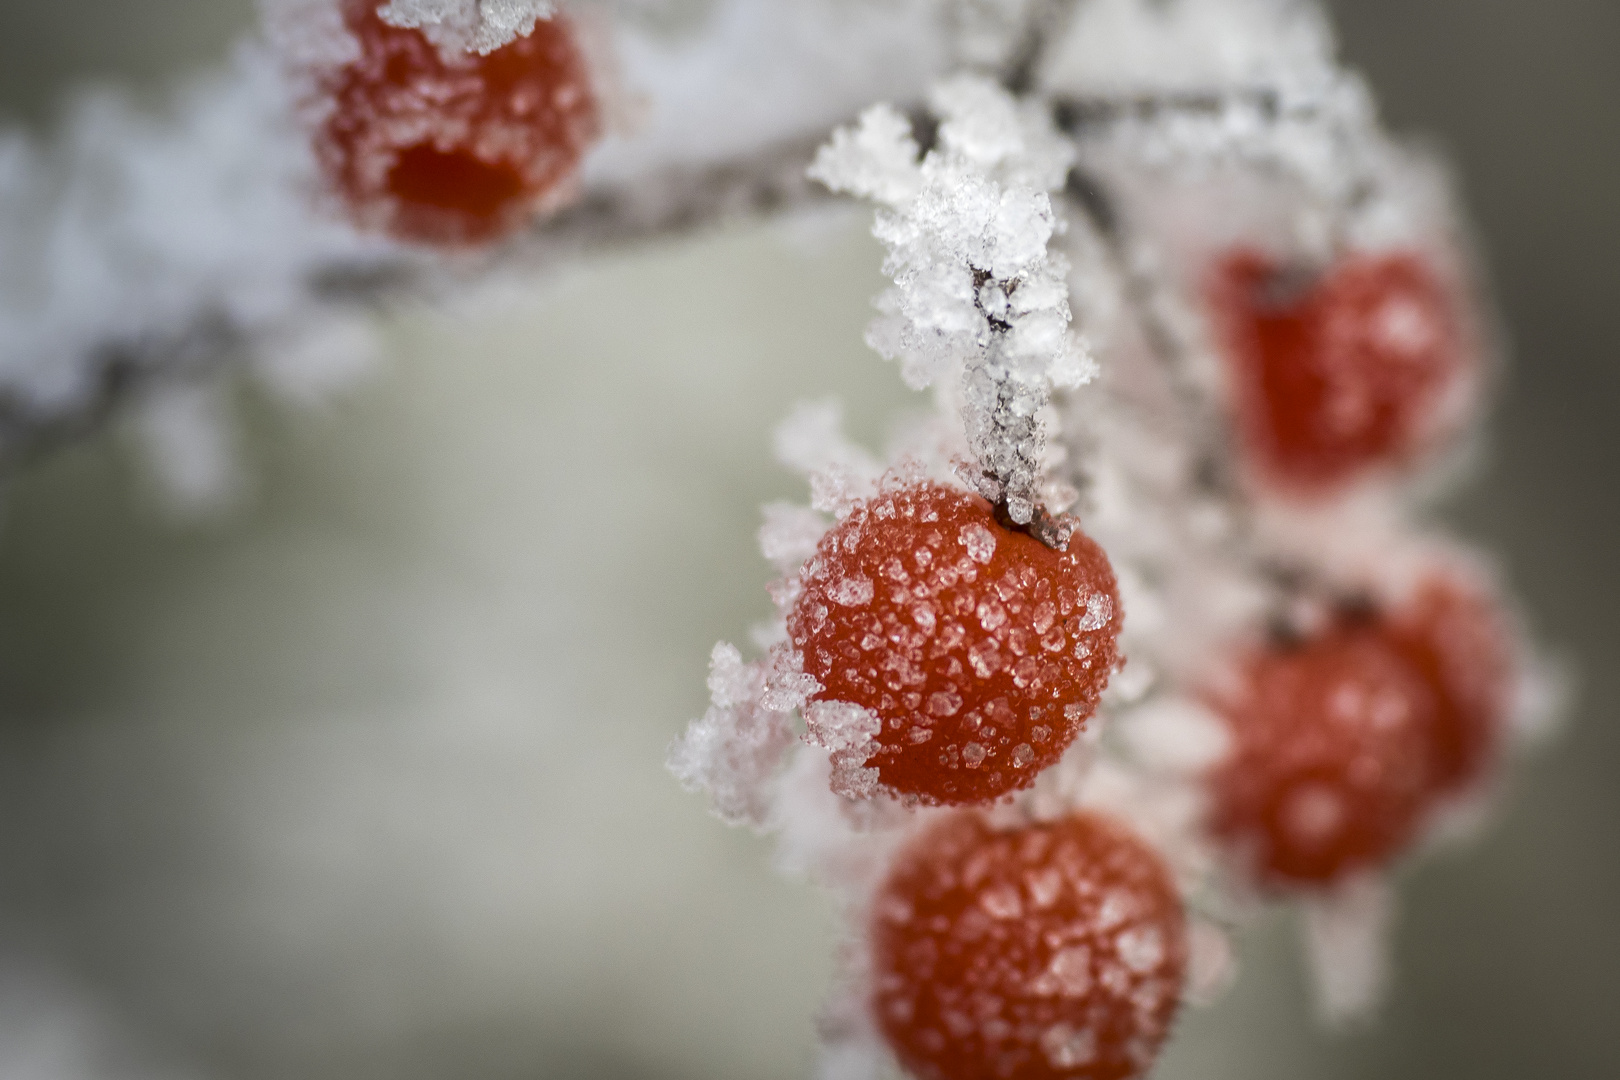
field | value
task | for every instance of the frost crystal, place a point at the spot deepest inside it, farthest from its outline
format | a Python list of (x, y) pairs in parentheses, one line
[(480, 26), (733, 751), (977, 290), (1347, 933), (846, 732)]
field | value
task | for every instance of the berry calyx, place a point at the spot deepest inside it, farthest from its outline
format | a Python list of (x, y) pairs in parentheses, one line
[(957, 658), (459, 149), (1340, 375), (1049, 951), (1330, 761)]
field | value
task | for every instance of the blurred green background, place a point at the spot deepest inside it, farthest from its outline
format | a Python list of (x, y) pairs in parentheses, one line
[(364, 779)]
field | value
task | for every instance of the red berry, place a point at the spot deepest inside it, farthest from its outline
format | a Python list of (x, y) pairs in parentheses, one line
[(1332, 753), (1329, 769), (979, 650), (454, 150), (1454, 637), (1054, 950), (1348, 373)]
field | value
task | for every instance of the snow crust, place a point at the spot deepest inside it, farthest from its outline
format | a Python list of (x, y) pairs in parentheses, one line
[(753, 73), (1141, 47)]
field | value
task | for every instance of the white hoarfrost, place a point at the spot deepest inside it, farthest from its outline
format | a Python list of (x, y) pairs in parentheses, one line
[(168, 241), (733, 752), (978, 293), (480, 26)]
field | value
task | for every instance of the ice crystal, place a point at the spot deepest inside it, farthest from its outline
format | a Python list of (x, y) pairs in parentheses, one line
[(480, 26), (978, 292), (733, 751)]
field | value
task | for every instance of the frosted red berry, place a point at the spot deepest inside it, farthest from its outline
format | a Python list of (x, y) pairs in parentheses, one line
[(1333, 377), (1452, 633), (1050, 951), (976, 651), (1330, 764), (454, 149)]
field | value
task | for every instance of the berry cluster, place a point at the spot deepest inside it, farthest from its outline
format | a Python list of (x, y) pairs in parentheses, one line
[(1297, 712), (1343, 738)]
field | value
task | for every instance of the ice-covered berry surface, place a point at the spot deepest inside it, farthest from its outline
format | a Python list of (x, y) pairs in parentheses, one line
[(976, 651), (1035, 953), (1455, 633)]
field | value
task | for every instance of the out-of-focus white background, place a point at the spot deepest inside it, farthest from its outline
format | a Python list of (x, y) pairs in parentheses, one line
[(364, 779)]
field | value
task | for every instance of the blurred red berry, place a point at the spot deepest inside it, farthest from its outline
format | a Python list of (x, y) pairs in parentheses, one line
[(1340, 375), (979, 650), (454, 150), (1452, 633), (1053, 950), (1330, 767)]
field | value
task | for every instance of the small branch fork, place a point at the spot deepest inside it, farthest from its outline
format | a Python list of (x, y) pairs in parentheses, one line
[(675, 202)]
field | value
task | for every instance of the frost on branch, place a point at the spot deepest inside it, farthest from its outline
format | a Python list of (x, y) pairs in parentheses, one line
[(480, 26), (977, 289)]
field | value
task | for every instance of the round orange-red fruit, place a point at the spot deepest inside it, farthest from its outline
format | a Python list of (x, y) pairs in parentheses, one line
[(1055, 950), (1330, 766), (1335, 376), (454, 149), (973, 652)]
